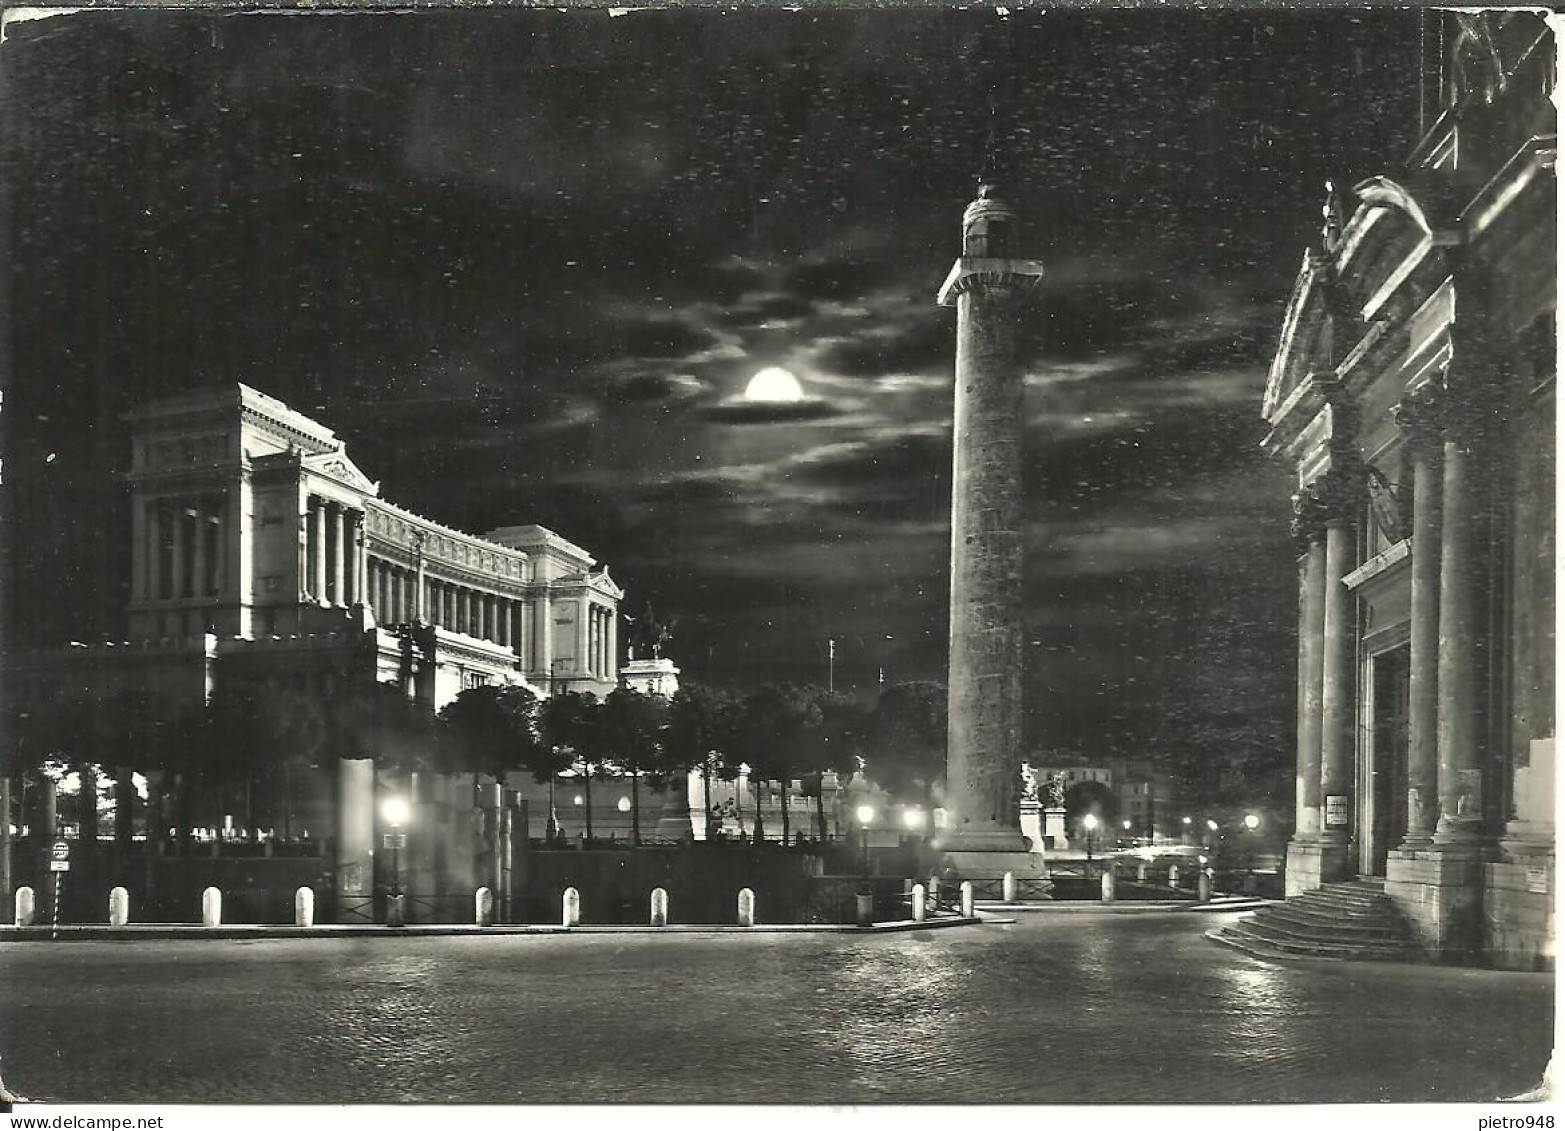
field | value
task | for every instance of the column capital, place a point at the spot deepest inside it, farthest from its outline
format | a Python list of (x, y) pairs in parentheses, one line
[(1343, 490), (1308, 525), (1420, 417)]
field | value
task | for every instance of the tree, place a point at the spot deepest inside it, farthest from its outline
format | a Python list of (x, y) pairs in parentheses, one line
[(905, 748), (700, 733), (490, 729), (775, 726), (568, 725), (268, 732), (631, 732)]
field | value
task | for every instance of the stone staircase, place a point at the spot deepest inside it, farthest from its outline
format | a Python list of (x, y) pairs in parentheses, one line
[(1355, 920)]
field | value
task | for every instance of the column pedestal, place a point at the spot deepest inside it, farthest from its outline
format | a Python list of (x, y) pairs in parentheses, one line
[(1313, 861), (1440, 893), (355, 839)]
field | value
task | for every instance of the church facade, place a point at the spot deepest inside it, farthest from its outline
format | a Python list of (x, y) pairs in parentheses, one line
[(1413, 395), (259, 551)]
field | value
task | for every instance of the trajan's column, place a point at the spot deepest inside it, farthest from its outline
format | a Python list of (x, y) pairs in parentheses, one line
[(982, 836)]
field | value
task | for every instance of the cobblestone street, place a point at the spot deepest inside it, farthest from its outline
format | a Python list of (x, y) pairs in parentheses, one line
[(1056, 1009)]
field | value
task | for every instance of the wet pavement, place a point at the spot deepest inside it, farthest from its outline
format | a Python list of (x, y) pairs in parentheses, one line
[(1050, 1009)]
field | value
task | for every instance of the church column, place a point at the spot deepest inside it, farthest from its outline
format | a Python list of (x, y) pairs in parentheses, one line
[(504, 626), (1461, 643), (1310, 535), (318, 548), (1337, 667), (583, 616), (519, 629), (485, 616), (1414, 417), (612, 615)]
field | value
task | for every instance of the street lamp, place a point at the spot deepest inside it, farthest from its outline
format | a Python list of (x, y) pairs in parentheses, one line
[(1252, 822), (1089, 822), (866, 814), (1186, 821), (395, 810)]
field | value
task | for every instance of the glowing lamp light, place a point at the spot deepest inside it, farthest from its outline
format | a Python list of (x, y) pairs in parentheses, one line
[(913, 818), (1090, 821), (1252, 822), (395, 810), (1127, 826), (1212, 825), (866, 814), (578, 799), (624, 805), (1186, 820)]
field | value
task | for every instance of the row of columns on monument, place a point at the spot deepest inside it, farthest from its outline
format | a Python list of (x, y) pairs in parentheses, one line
[(182, 549), (334, 564), (1444, 786), (401, 595)]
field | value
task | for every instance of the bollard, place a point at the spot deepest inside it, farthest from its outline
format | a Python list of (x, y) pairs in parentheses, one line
[(1141, 872), (304, 907), (1008, 887), (659, 907), (211, 908), (1173, 875), (571, 908), (967, 899), (483, 908), (396, 910), (119, 907), (934, 892), (746, 907), (918, 903), (1108, 885), (1204, 885), (26, 907)]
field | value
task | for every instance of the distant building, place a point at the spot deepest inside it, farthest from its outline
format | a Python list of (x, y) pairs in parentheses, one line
[(1413, 395), (1127, 791), (259, 550)]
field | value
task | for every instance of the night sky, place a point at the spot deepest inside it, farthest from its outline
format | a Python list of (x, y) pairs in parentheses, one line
[(525, 263)]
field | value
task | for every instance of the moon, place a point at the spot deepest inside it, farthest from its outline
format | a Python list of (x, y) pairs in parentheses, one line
[(773, 386)]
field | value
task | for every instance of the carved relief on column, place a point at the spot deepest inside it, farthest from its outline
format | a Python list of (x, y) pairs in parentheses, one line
[(1417, 415)]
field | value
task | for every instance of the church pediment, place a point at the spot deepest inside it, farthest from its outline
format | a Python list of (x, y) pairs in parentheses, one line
[(336, 465), (1306, 344)]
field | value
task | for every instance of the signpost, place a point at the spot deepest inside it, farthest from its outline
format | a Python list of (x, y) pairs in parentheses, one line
[(59, 864)]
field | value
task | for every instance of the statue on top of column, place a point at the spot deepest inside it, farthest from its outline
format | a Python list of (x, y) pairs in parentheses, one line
[(648, 634)]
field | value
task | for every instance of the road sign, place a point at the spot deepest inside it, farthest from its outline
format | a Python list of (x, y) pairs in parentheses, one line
[(59, 865), (60, 850)]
